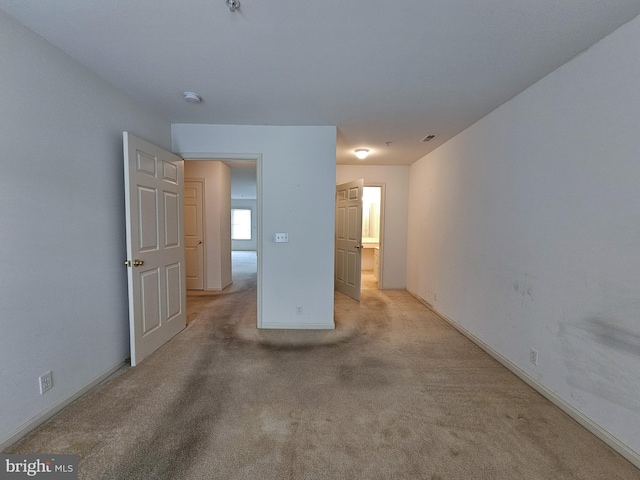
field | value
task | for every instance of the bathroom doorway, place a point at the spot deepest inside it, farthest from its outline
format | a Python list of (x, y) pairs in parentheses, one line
[(372, 245)]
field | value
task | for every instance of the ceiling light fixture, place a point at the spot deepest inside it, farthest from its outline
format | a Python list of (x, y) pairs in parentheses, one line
[(361, 153), (233, 5), (192, 97)]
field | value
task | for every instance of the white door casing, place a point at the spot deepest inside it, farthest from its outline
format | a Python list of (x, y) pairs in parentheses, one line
[(348, 244), (155, 249), (193, 234)]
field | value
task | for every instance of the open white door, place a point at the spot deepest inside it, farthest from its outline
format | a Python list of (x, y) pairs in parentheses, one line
[(155, 248), (348, 246)]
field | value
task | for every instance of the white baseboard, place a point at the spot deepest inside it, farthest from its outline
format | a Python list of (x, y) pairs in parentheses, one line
[(219, 289), (578, 416), (298, 326), (39, 419)]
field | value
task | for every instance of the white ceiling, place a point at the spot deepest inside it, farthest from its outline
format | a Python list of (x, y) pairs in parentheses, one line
[(380, 71)]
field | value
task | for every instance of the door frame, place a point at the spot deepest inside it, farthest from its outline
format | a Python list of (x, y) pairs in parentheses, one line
[(257, 157)]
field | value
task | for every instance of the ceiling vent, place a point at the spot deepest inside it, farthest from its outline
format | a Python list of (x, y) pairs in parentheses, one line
[(428, 138)]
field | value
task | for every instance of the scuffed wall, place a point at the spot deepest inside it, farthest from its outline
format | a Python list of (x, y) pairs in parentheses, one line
[(525, 230)]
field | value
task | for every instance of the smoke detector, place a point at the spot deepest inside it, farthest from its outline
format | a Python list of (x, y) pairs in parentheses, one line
[(192, 97), (233, 5)]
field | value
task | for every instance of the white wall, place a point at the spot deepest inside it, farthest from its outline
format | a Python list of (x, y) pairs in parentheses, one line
[(63, 285), (527, 228), (216, 219), (298, 183), (396, 181), (247, 245), (243, 180)]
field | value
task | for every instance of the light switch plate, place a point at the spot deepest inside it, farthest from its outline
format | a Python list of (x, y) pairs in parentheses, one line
[(282, 237)]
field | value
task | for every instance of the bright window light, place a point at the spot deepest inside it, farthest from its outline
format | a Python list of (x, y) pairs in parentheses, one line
[(240, 224)]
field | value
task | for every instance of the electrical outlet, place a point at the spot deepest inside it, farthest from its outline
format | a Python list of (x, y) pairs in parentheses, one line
[(533, 356), (299, 310), (46, 382)]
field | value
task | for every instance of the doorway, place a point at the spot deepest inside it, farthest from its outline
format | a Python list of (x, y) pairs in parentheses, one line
[(244, 218), (372, 245), (359, 237), (224, 270)]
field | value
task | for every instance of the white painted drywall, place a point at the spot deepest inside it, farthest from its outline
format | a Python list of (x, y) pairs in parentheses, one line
[(396, 181), (63, 284), (527, 228), (298, 183), (243, 180), (216, 219), (247, 245)]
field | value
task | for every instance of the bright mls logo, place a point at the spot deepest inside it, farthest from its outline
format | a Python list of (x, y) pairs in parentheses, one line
[(51, 467)]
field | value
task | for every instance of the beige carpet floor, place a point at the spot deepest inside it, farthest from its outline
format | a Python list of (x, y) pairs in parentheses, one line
[(393, 393)]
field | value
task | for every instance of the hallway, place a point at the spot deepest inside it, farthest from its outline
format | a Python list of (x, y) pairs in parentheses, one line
[(244, 267)]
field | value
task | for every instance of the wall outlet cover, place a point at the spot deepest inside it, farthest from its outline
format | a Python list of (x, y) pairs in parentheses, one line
[(46, 382), (533, 356)]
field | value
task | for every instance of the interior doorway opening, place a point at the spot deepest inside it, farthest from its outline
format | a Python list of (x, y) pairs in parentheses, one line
[(228, 253), (244, 219), (372, 208), (359, 237)]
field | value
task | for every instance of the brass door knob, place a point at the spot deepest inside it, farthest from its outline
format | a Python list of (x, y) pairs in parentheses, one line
[(136, 263)]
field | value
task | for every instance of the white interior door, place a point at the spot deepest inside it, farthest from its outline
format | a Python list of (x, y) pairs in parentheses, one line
[(193, 234), (155, 247), (348, 255)]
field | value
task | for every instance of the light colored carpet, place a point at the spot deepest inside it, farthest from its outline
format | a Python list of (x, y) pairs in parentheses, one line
[(393, 393)]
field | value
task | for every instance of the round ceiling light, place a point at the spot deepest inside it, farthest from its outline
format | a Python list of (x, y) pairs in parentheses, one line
[(192, 97), (361, 153)]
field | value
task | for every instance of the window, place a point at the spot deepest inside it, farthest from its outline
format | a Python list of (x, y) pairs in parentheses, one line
[(240, 224)]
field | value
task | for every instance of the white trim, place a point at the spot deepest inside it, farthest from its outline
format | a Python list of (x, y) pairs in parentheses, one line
[(259, 210), (220, 156), (298, 326), (566, 407), (39, 419), (228, 284)]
